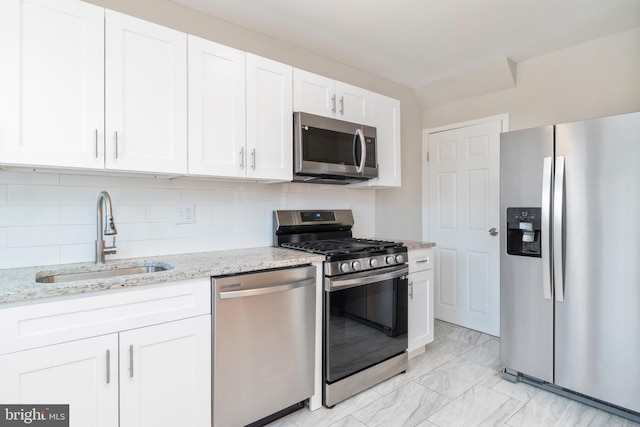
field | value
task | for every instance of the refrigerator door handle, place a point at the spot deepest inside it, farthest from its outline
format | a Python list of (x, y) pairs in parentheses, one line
[(558, 229), (546, 227)]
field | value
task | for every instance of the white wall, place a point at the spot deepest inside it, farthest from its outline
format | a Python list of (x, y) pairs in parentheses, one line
[(593, 79), (50, 218)]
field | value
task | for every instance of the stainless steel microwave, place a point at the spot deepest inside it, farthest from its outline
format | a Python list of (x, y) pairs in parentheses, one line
[(331, 151)]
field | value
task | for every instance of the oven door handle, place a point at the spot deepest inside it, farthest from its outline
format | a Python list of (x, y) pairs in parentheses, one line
[(365, 277)]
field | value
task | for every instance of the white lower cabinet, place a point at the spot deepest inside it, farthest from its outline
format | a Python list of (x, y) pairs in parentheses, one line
[(420, 300), (133, 375), (82, 374), (165, 374)]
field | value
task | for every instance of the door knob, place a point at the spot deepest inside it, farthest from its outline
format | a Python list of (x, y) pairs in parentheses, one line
[(493, 231)]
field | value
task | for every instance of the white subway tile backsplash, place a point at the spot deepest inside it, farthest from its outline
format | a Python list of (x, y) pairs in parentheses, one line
[(29, 178), (78, 214), (84, 252), (204, 213), (12, 216), (161, 214), (49, 235), (29, 256), (101, 181), (127, 214), (49, 218), (50, 195), (3, 237), (145, 197)]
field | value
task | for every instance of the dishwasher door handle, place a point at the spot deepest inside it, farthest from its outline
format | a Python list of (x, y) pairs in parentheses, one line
[(263, 290)]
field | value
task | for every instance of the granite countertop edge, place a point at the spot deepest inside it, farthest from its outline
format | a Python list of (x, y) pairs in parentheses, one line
[(19, 286)]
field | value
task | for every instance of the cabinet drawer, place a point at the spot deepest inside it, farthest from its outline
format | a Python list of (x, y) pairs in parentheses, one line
[(420, 259), (44, 323)]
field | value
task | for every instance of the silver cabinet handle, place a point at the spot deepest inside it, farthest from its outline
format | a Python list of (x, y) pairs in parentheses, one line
[(241, 157), (493, 231), (131, 361), (545, 247), (97, 143), (253, 159), (422, 261), (108, 366), (116, 145), (558, 229), (333, 101), (268, 289), (411, 289), (342, 105)]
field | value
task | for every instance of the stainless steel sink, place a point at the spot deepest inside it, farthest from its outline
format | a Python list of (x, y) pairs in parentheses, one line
[(100, 274)]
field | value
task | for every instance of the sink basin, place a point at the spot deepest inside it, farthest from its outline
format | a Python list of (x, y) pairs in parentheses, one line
[(100, 274)]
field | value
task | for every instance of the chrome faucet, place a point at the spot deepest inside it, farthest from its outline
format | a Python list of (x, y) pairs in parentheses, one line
[(104, 202)]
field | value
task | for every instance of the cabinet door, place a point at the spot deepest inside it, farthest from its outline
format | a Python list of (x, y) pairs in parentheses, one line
[(165, 374), (217, 134), (353, 104), (385, 116), (82, 374), (51, 83), (420, 309), (269, 119), (314, 94), (146, 96)]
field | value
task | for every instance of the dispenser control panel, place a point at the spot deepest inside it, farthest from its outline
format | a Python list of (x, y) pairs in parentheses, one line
[(524, 231)]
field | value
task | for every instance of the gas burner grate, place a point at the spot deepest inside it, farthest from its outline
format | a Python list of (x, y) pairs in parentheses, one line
[(341, 246)]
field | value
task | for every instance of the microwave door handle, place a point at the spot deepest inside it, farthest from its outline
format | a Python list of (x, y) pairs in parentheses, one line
[(363, 150)]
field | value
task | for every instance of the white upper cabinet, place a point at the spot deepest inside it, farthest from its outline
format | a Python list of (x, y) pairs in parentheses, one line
[(240, 114), (330, 98), (77, 94), (146, 96), (217, 125), (51, 83), (386, 119), (269, 150)]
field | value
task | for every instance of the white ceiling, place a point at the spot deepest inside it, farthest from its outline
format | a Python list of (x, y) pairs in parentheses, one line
[(417, 42)]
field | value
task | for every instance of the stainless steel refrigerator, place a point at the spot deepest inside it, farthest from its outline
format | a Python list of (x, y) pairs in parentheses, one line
[(570, 260)]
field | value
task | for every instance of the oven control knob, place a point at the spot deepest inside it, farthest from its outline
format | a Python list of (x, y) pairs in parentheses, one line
[(399, 259), (390, 259), (344, 267), (373, 262), (355, 265)]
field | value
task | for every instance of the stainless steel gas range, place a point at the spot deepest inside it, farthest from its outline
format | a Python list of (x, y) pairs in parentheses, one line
[(364, 303)]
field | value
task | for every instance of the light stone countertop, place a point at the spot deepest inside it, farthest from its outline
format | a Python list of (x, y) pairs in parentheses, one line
[(410, 244), (18, 285)]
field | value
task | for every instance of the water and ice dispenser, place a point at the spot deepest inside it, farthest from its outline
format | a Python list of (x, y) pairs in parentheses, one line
[(523, 231)]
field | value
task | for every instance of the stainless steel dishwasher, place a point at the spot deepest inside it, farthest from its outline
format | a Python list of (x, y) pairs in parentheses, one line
[(263, 344)]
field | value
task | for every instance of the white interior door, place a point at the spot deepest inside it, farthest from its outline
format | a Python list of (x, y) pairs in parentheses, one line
[(464, 213)]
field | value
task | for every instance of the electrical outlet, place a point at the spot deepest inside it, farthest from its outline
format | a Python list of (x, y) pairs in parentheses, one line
[(185, 214)]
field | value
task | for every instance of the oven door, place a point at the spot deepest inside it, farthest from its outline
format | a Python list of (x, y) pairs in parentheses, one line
[(365, 320)]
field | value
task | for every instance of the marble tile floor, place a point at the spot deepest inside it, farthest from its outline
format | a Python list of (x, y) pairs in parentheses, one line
[(455, 383)]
